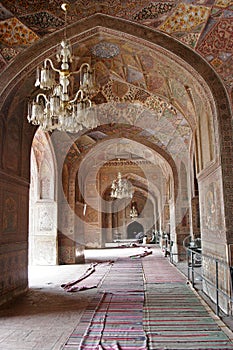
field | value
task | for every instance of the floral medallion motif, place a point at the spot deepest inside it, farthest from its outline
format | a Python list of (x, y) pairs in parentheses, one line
[(105, 50)]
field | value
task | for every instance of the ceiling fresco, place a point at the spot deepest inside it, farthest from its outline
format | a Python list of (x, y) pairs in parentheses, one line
[(121, 141), (129, 71), (142, 93), (204, 25)]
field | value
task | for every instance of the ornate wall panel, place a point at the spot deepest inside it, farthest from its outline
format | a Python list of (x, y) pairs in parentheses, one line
[(13, 228), (14, 209), (212, 209), (12, 146)]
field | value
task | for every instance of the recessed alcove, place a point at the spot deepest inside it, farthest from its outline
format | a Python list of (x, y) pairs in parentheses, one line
[(133, 229)]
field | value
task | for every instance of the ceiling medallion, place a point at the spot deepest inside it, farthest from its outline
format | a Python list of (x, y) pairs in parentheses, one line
[(105, 49)]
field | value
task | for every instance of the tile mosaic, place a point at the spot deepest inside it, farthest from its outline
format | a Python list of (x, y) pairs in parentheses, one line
[(15, 33), (185, 18)]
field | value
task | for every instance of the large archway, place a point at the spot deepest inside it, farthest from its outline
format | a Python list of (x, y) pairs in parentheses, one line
[(213, 170), (43, 202), (90, 185)]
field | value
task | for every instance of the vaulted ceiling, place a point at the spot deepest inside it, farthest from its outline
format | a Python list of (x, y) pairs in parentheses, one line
[(144, 92), (206, 25)]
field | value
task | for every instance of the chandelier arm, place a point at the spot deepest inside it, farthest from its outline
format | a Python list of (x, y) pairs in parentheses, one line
[(42, 95), (89, 101), (83, 65), (82, 98), (76, 96), (81, 68), (51, 64)]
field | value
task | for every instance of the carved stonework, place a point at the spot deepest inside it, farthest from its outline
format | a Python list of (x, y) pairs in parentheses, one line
[(92, 215), (212, 216), (46, 181), (45, 188), (11, 156), (67, 255), (45, 221), (9, 215), (45, 251)]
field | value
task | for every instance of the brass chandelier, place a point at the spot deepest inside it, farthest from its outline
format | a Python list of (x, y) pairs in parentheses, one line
[(56, 107), (121, 188)]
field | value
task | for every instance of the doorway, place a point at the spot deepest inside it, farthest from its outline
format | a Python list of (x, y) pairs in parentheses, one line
[(133, 229)]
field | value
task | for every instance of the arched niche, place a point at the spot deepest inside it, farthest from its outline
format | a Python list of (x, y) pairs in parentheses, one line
[(133, 229)]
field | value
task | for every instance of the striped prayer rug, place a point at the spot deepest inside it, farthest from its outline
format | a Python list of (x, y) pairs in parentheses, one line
[(114, 318), (145, 304), (174, 317)]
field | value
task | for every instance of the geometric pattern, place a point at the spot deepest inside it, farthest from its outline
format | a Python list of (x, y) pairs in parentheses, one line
[(9, 52), (105, 50), (205, 26), (15, 33), (218, 43), (185, 18), (42, 22)]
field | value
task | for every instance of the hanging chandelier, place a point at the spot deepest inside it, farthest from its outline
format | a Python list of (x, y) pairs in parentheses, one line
[(121, 188), (133, 211), (59, 108)]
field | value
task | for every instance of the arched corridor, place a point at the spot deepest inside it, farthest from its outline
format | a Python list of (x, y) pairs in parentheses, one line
[(114, 113)]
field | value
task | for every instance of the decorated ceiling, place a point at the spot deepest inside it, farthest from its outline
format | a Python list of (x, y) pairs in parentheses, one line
[(205, 25), (147, 94)]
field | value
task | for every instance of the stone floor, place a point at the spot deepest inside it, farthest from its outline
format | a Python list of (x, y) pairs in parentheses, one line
[(44, 318)]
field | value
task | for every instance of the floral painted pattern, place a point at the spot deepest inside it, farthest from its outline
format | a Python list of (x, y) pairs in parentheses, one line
[(185, 18), (14, 33)]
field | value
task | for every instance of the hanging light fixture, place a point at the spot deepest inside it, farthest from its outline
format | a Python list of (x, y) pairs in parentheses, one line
[(121, 188), (133, 211), (56, 108)]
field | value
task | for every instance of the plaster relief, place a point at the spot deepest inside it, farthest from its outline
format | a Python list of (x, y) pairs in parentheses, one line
[(46, 182), (45, 221), (212, 219), (12, 146), (9, 215), (45, 252), (67, 255), (45, 188)]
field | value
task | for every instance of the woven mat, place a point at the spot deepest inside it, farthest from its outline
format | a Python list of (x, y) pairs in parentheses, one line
[(174, 317), (145, 304), (114, 318)]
